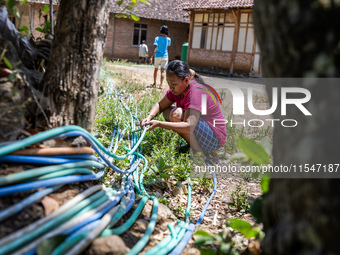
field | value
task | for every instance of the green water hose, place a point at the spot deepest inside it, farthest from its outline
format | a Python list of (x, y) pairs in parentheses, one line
[(166, 240), (139, 246), (99, 203), (69, 243), (81, 246), (62, 173), (10, 247), (60, 210), (120, 213), (13, 178), (92, 209), (65, 246), (123, 228), (165, 246), (58, 131), (174, 241)]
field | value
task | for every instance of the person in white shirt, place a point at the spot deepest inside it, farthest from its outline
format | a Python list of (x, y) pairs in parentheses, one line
[(143, 52)]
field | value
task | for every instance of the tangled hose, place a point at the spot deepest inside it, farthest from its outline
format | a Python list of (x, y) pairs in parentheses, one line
[(94, 212)]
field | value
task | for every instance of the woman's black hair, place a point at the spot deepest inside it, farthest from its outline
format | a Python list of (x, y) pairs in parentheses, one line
[(182, 71), (179, 68)]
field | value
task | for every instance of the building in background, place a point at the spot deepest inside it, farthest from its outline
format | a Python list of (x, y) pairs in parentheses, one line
[(33, 16), (222, 38), (124, 35)]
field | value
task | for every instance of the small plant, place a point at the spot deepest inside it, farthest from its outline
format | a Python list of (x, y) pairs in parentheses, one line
[(45, 28), (240, 199), (163, 201), (161, 169), (178, 209), (222, 243), (159, 174), (205, 183)]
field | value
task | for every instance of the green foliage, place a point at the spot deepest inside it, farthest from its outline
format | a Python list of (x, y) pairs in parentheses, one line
[(163, 201), (254, 151), (160, 173), (46, 8), (47, 246), (45, 28), (265, 184), (204, 183), (178, 209), (14, 10), (222, 243), (122, 62), (129, 7), (240, 199), (244, 228), (7, 63), (24, 29), (257, 206)]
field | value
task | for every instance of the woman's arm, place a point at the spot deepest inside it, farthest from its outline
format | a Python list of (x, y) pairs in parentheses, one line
[(186, 126), (159, 107)]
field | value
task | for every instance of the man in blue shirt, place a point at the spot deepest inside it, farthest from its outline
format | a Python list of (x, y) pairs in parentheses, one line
[(161, 54)]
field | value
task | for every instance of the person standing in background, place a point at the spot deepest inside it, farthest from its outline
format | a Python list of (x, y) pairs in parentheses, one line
[(162, 43), (143, 52)]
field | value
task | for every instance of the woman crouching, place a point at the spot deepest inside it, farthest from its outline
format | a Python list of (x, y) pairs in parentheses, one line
[(201, 127)]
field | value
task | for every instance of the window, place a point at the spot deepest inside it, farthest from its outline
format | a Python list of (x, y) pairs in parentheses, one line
[(214, 31), (246, 37), (139, 33), (12, 18)]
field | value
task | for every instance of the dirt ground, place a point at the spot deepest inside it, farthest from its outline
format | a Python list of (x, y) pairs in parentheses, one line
[(219, 210)]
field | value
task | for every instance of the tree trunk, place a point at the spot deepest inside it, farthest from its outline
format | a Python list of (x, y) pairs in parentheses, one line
[(301, 39), (72, 76)]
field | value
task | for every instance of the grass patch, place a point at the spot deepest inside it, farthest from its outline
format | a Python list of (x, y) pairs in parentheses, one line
[(157, 145)]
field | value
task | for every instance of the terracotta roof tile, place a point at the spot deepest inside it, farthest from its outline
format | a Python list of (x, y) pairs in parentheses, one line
[(159, 9), (215, 4)]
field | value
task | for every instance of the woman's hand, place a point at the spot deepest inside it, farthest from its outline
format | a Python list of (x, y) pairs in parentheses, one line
[(152, 124), (147, 119)]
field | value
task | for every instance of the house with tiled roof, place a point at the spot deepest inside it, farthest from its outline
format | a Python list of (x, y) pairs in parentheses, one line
[(32, 15), (124, 35), (222, 34)]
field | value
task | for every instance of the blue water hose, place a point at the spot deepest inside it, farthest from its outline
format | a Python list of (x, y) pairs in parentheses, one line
[(5, 191), (16, 177), (96, 216), (113, 138), (36, 160), (188, 234), (58, 131), (91, 225), (18, 234), (14, 209), (134, 165), (102, 156)]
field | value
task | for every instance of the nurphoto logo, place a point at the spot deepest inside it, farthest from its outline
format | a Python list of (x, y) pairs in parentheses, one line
[(239, 104)]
